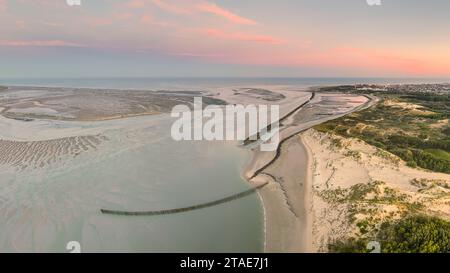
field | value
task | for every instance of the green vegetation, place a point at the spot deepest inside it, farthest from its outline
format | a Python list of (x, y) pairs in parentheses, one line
[(439, 153), (430, 183), (414, 126), (365, 203), (414, 234), (355, 154), (408, 123), (437, 188)]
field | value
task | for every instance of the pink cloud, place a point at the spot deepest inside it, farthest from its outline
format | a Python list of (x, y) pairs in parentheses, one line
[(364, 60), (413, 63), (37, 43), (386, 60), (20, 24), (221, 12), (124, 15), (367, 62), (212, 32), (146, 19), (191, 7), (172, 8), (99, 22), (2, 5), (204, 30), (52, 24), (198, 55), (136, 4)]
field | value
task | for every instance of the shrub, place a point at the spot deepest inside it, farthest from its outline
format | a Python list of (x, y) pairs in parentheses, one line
[(414, 234)]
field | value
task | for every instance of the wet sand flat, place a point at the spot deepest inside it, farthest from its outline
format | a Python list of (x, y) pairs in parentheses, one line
[(71, 104), (38, 154)]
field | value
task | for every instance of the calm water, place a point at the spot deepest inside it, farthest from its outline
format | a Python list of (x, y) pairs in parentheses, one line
[(199, 83), (139, 168)]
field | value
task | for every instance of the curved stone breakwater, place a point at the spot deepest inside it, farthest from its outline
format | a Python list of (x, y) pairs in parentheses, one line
[(185, 209), (369, 103), (37, 154), (247, 141)]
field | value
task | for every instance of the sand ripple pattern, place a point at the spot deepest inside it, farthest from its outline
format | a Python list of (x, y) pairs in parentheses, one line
[(38, 154)]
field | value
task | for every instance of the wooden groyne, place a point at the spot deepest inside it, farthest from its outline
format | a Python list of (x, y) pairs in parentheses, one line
[(185, 209)]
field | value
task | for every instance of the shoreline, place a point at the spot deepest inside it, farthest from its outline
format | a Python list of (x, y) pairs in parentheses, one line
[(281, 204), (284, 232)]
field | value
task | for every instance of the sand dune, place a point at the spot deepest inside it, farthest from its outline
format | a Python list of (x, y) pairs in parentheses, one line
[(333, 165)]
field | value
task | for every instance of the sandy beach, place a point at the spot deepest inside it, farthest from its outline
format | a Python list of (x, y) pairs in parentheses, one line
[(287, 199)]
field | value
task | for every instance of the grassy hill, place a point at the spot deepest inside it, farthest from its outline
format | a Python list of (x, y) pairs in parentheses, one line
[(415, 234), (411, 125)]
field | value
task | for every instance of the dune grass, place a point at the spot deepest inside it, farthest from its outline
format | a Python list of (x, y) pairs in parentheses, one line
[(413, 126)]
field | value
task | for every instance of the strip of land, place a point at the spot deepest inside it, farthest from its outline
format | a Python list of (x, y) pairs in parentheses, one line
[(353, 176), (83, 104), (380, 172), (286, 199)]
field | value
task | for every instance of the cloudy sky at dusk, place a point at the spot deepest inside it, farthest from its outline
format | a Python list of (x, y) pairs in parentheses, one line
[(184, 38)]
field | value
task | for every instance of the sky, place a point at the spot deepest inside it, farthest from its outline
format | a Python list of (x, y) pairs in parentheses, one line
[(224, 38)]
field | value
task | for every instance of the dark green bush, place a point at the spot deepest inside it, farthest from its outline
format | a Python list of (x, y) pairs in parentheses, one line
[(414, 234)]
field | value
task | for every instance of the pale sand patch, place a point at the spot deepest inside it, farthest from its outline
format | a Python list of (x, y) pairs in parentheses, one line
[(403, 105), (413, 108), (38, 154), (353, 162), (440, 124), (286, 200)]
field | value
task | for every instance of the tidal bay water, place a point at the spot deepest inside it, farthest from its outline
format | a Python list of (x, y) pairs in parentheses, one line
[(140, 167)]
